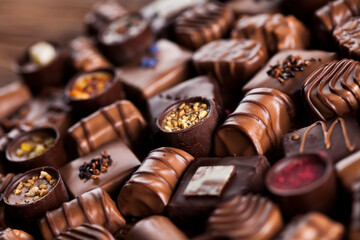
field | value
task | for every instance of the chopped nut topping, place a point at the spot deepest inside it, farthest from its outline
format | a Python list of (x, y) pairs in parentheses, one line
[(184, 116), (97, 165), (34, 147)]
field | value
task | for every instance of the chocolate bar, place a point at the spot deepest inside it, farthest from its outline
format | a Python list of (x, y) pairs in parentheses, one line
[(256, 126), (202, 24), (210, 181), (276, 31), (330, 91), (346, 170), (94, 207), (110, 177), (118, 120), (15, 234), (156, 179), (345, 35), (86, 232)]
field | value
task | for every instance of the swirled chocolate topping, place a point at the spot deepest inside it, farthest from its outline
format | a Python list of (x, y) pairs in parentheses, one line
[(86, 232)]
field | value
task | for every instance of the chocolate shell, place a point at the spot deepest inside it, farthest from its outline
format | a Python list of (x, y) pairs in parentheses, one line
[(346, 37), (14, 234), (94, 207), (256, 126), (247, 217), (118, 120), (332, 90), (86, 232), (155, 228), (202, 24), (124, 163), (156, 179), (276, 31)]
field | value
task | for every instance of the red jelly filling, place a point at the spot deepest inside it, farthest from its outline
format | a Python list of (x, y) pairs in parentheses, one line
[(299, 173)]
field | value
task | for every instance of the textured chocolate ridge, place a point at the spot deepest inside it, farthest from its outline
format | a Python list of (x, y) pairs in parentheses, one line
[(94, 207), (266, 131), (246, 217), (118, 120), (312, 226), (333, 89), (276, 31), (346, 35), (14, 234), (85, 56), (232, 61), (156, 179), (202, 24), (86, 232)]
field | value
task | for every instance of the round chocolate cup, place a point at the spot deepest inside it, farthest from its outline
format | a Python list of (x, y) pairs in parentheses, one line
[(54, 156), (38, 77), (197, 139), (111, 93), (309, 197), (124, 51), (29, 212)]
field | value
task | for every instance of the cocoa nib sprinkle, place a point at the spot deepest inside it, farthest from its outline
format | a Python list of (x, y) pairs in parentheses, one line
[(96, 166), (286, 69)]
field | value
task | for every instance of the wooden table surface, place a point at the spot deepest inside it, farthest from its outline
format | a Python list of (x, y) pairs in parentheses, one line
[(23, 22)]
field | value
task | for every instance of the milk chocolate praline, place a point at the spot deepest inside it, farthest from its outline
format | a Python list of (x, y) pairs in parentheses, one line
[(54, 156), (29, 212), (195, 139), (37, 77)]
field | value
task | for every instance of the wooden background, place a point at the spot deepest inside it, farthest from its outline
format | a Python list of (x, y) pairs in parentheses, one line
[(23, 22)]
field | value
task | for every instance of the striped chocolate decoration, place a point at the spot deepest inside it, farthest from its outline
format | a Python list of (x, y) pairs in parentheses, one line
[(86, 232), (156, 180)]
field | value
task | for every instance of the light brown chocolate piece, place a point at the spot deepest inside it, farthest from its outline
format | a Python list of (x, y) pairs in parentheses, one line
[(348, 170), (202, 24), (346, 35), (86, 232), (94, 207), (156, 180), (14, 234)]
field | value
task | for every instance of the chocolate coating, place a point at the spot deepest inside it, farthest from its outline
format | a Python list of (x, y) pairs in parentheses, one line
[(253, 7), (332, 90), (346, 36), (192, 211), (156, 180), (276, 31), (118, 120), (354, 228), (246, 217), (347, 170), (312, 226), (202, 24), (338, 137), (155, 228), (5, 180), (231, 61), (303, 9), (86, 232), (123, 165), (94, 207), (256, 126), (14, 234)]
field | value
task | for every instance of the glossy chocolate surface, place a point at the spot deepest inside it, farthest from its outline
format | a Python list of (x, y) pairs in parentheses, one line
[(86, 232), (346, 36), (354, 226), (14, 234), (156, 179), (347, 170), (191, 212), (124, 162), (253, 7)]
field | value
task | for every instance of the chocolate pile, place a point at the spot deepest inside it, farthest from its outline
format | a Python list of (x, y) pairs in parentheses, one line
[(187, 120)]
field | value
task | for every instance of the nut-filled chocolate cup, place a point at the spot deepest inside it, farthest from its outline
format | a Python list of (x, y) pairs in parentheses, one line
[(125, 37), (42, 64), (35, 192), (36, 148), (301, 183), (95, 89), (189, 124)]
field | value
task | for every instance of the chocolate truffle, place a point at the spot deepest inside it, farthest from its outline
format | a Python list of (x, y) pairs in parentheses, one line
[(231, 61), (347, 170), (346, 36), (118, 120), (171, 66), (354, 228), (126, 37), (12, 97), (338, 137), (276, 31), (94, 207), (253, 7), (14, 234), (256, 126), (312, 226), (85, 56), (86, 232), (101, 14), (156, 180), (246, 217), (210, 181), (332, 90), (111, 176), (155, 228), (202, 24)]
